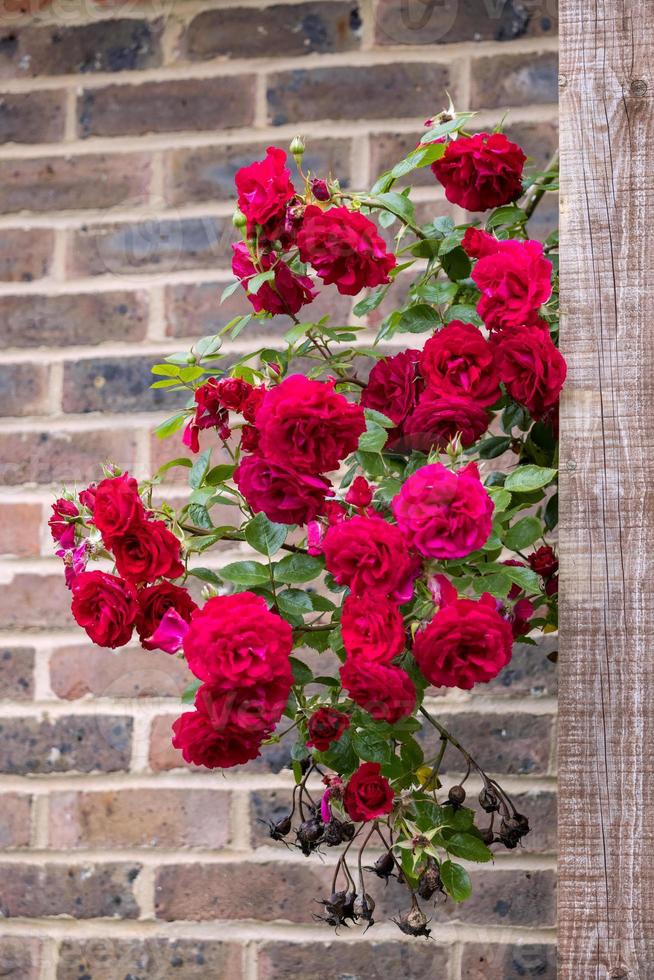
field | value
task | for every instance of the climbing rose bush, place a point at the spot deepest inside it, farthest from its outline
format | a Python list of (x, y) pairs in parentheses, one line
[(391, 481)]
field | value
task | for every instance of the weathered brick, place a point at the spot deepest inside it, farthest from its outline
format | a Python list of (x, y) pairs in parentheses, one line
[(501, 743), (14, 826), (207, 173), (515, 80), (69, 183), (529, 672), (508, 962), (148, 959), (32, 117), (539, 140), (357, 92), (20, 958), (286, 29), (63, 457), (156, 107), (16, 672), (28, 601), (76, 318), (25, 253), (140, 818), (23, 390), (62, 49), (159, 245), (78, 743), (162, 450), (78, 671), (369, 960), (82, 891), (116, 384), (162, 755), (27, 517), (414, 22)]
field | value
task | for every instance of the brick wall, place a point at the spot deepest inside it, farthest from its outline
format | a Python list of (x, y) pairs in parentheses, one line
[(121, 126)]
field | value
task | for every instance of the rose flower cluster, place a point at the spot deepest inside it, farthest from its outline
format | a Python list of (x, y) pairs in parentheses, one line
[(371, 528)]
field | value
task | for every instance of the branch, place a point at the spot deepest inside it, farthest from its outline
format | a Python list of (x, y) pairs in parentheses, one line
[(535, 193)]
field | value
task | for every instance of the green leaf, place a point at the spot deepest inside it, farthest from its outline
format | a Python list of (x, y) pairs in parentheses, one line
[(166, 370), (206, 575), (218, 474), (256, 282), (467, 846), (493, 447), (180, 461), (523, 533), (464, 313), (370, 302), (440, 291), (508, 215), (264, 535), (302, 674), (524, 479), (297, 568), (456, 264), (398, 204), (422, 156), (246, 573), (373, 416), (294, 603), (450, 126), (515, 415), (551, 516), (498, 584), (228, 290), (524, 578), (200, 516), (417, 319), (456, 881), (371, 747), (171, 425), (373, 439), (188, 694), (501, 499), (199, 469)]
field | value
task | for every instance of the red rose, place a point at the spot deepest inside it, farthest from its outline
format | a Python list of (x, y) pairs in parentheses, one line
[(249, 439), (117, 506), (105, 606), (210, 413), (306, 425), (264, 188), (544, 562), (477, 243), (444, 514), (481, 171), (387, 693), (235, 641), (367, 794), (326, 725), (531, 367), (252, 404), (520, 617), (393, 386), (514, 282), (552, 586), (154, 602), (435, 421), (466, 643), (63, 531), (372, 629), (458, 360), (233, 393), (344, 248), (282, 494), (367, 554), (146, 552), (287, 292)]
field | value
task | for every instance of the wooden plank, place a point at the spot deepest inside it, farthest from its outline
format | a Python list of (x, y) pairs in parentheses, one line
[(606, 746)]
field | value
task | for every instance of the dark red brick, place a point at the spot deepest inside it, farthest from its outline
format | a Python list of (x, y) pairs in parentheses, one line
[(78, 671), (154, 959), (361, 92), (514, 80), (116, 384), (207, 173), (32, 117), (481, 962), (500, 743), (414, 22), (16, 673), (74, 744), (24, 390), (81, 891), (76, 318), (151, 246), (69, 183), (370, 960), (61, 49), (20, 958), (63, 457), (27, 517), (159, 107), (14, 827), (25, 253), (285, 29)]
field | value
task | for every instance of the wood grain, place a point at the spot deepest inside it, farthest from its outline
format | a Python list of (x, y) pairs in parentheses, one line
[(606, 742)]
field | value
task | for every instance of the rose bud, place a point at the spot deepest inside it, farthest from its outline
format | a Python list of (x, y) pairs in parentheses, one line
[(320, 190)]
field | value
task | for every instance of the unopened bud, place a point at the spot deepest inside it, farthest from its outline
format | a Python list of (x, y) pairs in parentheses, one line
[(238, 219), (297, 149), (320, 190)]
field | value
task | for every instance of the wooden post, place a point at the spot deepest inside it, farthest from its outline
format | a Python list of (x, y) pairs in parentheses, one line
[(606, 810)]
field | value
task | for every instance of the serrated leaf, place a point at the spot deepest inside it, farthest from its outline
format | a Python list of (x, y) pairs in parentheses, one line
[(302, 674), (370, 302), (218, 474), (199, 469), (523, 533), (456, 881), (171, 425), (246, 573), (228, 290), (264, 535), (524, 479), (189, 692), (417, 319), (373, 439), (297, 568), (456, 264), (398, 204), (467, 846), (206, 575), (180, 461)]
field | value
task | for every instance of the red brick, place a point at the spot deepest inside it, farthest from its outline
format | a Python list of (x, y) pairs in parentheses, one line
[(154, 959), (370, 960), (414, 22), (162, 755), (117, 384), (75, 744), (207, 173), (529, 672), (63, 457), (514, 80), (508, 962), (16, 673), (80, 891), (32, 117), (69, 183), (23, 391), (361, 92), (27, 518), (172, 448), (165, 245), (501, 743), (139, 818), (14, 825), (286, 29), (61, 49), (79, 671), (156, 107), (29, 601), (76, 318), (20, 958), (25, 254)]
